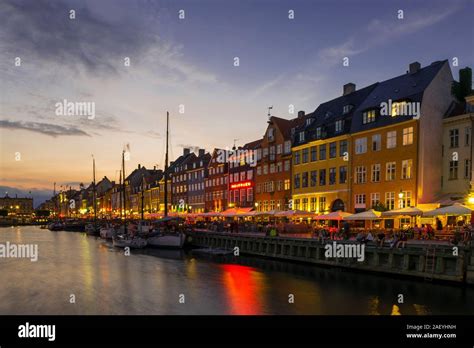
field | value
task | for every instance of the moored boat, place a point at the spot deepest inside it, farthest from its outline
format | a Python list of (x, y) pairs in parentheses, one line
[(122, 241), (167, 240)]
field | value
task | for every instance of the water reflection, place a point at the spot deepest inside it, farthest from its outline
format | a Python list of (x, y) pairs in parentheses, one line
[(106, 281)]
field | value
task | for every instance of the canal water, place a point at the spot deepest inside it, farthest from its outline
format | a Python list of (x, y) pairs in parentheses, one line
[(100, 279)]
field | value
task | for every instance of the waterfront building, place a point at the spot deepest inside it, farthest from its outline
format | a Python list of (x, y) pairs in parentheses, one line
[(179, 181), (242, 164), (20, 209), (321, 162), (273, 171), (456, 180), (196, 171), (216, 183), (396, 158)]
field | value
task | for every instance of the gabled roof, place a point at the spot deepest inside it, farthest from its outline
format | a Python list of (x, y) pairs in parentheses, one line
[(328, 113), (253, 144), (408, 87)]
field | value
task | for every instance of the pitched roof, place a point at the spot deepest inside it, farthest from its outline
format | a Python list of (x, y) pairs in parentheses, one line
[(326, 115), (408, 87)]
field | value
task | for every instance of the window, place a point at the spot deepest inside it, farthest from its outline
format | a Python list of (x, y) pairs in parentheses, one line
[(297, 181), (361, 175), (304, 179), (297, 157), (360, 199), (272, 168), (322, 177), (322, 204), (318, 133), (314, 153), (249, 174), (287, 147), (287, 165), (407, 166), (332, 150), (453, 170), (332, 176), (467, 136), (346, 108), (454, 137), (368, 116), (308, 121), (287, 184), (271, 136), (375, 176), (391, 139), (390, 200), (314, 178), (297, 204), (408, 136), (390, 171), (250, 194), (322, 152), (376, 142), (279, 167), (342, 174), (265, 152), (301, 136), (259, 170), (399, 108), (405, 201), (467, 169), (305, 155), (313, 204), (339, 126), (279, 149), (304, 204), (374, 199), (265, 169), (361, 145), (342, 148)]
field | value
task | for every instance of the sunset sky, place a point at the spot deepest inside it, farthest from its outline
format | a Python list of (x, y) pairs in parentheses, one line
[(190, 61)]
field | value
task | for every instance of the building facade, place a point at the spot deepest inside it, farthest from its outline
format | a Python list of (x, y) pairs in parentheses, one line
[(216, 183)]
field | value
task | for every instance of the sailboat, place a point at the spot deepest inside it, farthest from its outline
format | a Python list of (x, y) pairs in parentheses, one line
[(163, 238), (93, 229)]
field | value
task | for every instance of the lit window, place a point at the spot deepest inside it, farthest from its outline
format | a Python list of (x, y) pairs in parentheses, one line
[(368, 116), (391, 139), (408, 136)]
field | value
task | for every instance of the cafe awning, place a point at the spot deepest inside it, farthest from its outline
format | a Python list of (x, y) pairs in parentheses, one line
[(335, 215), (455, 209), (365, 215), (294, 213), (408, 211)]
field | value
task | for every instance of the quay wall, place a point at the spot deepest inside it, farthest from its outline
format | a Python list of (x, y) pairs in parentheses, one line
[(420, 261)]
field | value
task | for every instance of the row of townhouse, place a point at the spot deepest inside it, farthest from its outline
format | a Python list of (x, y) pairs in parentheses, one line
[(402, 142)]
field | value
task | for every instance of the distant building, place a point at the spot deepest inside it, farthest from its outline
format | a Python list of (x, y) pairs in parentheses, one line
[(196, 173), (20, 209), (216, 183)]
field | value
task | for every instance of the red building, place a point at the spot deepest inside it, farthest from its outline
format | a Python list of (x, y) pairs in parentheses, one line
[(216, 183)]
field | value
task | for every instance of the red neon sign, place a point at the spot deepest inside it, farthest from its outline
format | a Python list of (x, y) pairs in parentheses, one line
[(241, 185)]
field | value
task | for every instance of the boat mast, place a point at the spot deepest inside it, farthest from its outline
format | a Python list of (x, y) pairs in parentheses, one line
[(94, 192), (143, 197), (55, 201), (123, 187), (166, 164), (120, 195)]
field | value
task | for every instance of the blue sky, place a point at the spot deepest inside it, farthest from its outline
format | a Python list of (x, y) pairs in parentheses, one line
[(190, 62)]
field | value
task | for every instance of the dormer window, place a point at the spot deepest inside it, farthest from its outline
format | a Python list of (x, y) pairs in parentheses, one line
[(270, 134), (328, 114), (318, 133), (368, 116), (308, 121), (339, 126), (301, 136), (346, 109)]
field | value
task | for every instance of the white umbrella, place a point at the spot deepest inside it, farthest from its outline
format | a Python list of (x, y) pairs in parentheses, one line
[(365, 215), (455, 209), (335, 215), (408, 211)]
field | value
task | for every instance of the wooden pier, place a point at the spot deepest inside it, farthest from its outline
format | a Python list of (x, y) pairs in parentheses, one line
[(433, 262)]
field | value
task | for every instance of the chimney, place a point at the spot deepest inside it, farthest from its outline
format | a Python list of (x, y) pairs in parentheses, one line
[(154, 167), (414, 67), (186, 151), (139, 165), (301, 113), (349, 88), (202, 152)]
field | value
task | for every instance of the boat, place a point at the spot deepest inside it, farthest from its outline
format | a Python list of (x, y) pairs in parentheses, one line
[(167, 240), (74, 226), (123, 241), (92, 229), (43, 227), (56, 226)]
